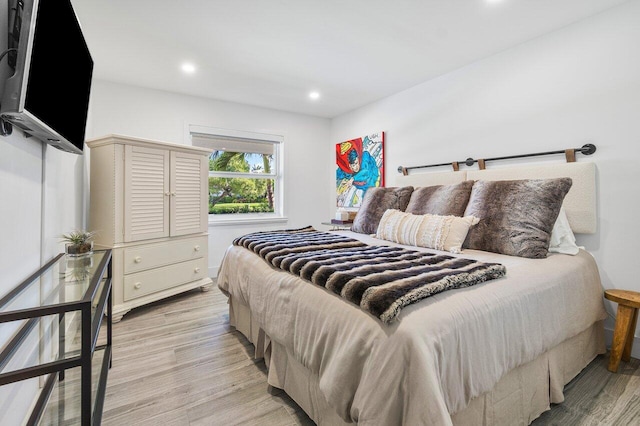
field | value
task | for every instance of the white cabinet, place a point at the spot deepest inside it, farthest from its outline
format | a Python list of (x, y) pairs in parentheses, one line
[(149, 204)]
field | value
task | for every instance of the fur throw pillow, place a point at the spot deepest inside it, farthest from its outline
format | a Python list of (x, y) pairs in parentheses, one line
[(377, 201), (443, 200), (516, 216)]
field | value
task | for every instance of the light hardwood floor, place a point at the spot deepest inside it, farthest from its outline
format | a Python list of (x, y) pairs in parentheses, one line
[(178, 362)]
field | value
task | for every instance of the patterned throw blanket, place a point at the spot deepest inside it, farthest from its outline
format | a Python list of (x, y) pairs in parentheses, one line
[(380, 279)]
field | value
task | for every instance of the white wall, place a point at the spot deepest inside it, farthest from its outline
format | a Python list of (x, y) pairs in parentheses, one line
[(576, 85), (154, 114), (34, 212), (20, 192)]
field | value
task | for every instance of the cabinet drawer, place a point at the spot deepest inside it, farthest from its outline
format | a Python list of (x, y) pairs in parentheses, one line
[(148, 256), (147, 282)]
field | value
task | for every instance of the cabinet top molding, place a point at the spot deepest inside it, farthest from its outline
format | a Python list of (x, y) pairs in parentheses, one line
[(150, 143)]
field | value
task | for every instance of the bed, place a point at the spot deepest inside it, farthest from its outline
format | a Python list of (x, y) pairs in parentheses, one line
[(498, 352)]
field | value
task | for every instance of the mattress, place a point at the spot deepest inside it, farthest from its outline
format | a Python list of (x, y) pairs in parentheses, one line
[(441, 354)]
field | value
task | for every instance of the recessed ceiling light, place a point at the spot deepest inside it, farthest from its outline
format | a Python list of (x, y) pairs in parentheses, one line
[(314, 95), (188, 68)]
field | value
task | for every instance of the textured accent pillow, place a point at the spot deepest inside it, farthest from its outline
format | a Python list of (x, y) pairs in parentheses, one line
[(377, 201), (441, 199), (562, 238), (516, 216), (432, 231)]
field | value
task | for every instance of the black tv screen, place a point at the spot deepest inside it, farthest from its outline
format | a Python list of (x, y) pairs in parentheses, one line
[(60, 73), (52, 79)]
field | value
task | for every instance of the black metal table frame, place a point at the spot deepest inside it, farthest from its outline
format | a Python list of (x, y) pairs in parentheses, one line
[(89, 337)]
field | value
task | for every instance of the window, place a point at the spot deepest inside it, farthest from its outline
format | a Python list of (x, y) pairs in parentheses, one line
[(245, 178)]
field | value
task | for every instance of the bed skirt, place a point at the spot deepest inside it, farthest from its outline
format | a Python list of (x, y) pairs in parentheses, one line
[(518, 398)]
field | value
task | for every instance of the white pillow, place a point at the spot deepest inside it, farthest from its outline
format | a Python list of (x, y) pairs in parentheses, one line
[(429, 230), (562, 238)]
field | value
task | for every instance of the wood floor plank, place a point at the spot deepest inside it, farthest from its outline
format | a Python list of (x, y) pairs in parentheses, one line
[(179, 362), (223, 408), (177, 396)]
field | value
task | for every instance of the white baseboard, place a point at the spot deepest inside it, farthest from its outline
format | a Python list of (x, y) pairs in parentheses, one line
[(608, 338), (213, 272)]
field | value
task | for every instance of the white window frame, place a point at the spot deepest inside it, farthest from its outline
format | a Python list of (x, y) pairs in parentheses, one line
[(278, 215)]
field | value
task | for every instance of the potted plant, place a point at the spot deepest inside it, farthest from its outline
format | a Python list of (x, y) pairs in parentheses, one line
[(78, 243)]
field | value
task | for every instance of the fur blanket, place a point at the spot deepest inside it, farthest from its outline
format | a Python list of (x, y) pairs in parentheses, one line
[(380, 279)]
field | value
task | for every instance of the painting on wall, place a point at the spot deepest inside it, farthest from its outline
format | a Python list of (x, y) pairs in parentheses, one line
[(360, 166)]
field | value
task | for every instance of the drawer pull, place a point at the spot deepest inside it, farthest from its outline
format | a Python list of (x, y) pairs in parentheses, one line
[(137, 285), (196, 248), (137, 259), (196, 270)]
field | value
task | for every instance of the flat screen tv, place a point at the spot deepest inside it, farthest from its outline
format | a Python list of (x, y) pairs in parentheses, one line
[(47, 96)]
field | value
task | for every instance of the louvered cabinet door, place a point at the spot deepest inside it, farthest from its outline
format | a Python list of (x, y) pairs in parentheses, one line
[(146, 192), (189, 193)]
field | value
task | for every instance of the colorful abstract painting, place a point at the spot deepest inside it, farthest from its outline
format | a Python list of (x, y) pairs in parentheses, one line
[(360, 166)]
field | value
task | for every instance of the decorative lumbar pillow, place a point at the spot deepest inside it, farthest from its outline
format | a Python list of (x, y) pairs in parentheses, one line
[(516, 216), (442, 200), (432, 231), (377, 201), (562, 238)]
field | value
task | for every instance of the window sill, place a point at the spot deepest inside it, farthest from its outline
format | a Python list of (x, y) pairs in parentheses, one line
[(246, 221)]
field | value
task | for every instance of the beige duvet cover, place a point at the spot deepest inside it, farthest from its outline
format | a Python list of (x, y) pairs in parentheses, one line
[(441, 353)]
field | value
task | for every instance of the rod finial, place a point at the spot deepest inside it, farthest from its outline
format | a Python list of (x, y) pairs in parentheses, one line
[(588, 149)]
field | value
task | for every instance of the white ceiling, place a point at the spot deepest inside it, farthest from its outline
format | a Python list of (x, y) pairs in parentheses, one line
[(273, 53)]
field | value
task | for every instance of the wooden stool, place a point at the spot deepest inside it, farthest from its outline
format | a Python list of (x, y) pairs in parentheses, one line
[(626, 318)]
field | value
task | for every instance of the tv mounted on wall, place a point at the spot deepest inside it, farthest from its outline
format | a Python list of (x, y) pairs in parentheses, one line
[(47, 96)]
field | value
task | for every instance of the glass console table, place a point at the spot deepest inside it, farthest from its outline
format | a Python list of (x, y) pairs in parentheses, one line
[(50, 325)]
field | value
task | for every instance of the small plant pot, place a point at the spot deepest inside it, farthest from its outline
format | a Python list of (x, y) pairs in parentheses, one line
[(77, 250)]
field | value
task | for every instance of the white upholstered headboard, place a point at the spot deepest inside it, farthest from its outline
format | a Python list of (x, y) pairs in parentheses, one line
[(579, 204)]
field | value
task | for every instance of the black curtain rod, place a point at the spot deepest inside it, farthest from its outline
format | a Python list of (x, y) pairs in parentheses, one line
[(586, 149)]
